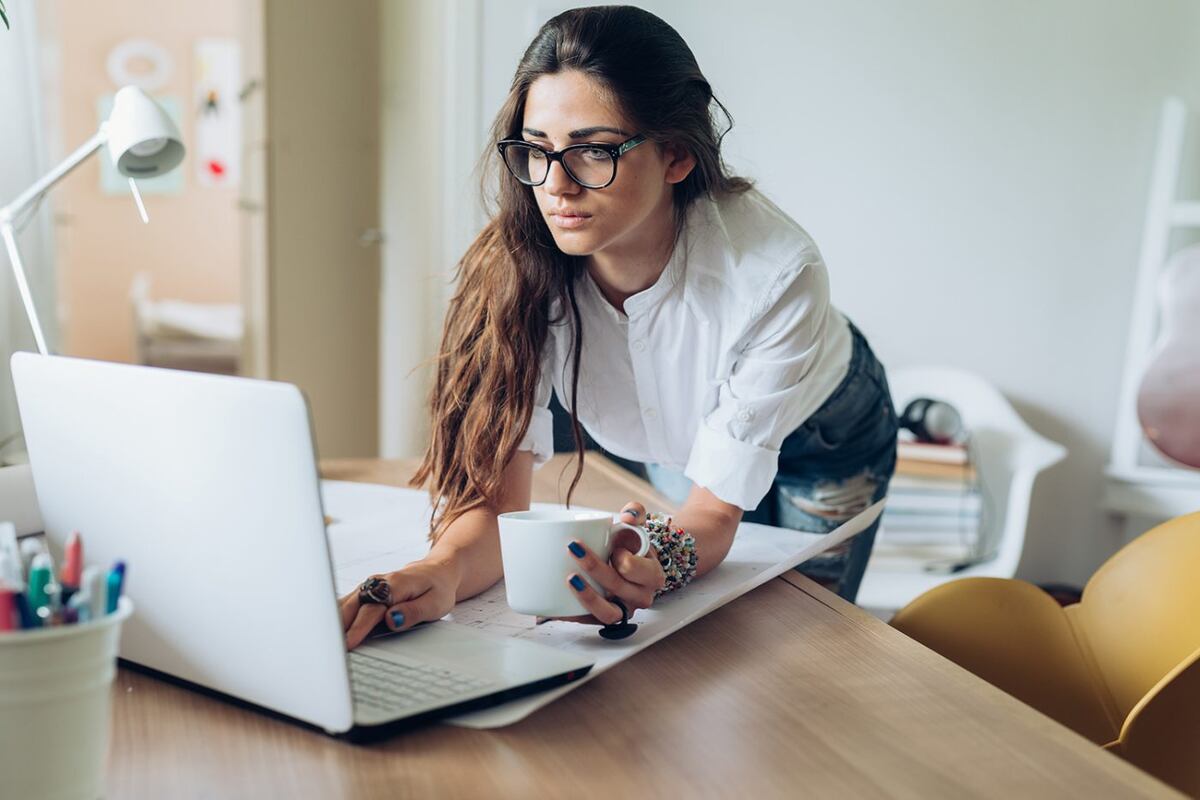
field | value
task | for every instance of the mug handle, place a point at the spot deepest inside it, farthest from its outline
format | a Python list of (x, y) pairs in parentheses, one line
[(645, 548)]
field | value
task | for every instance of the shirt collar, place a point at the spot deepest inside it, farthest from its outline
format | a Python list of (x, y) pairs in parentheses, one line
[(638, 304)]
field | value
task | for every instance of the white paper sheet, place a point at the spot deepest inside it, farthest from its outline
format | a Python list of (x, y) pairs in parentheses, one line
[(382, 528)]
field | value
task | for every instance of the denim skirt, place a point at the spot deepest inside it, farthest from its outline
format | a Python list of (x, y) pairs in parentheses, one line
[(835, 465)]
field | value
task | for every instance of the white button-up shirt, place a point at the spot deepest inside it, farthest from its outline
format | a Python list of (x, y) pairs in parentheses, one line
[(709, 369)]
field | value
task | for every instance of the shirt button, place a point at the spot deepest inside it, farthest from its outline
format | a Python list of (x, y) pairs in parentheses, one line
[(745, 415), (639, 345), (650, 413)]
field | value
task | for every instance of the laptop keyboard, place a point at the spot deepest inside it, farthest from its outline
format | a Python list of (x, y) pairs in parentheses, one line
[(388, 686)]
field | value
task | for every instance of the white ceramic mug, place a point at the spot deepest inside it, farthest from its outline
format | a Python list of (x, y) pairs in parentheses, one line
[(533, 549)]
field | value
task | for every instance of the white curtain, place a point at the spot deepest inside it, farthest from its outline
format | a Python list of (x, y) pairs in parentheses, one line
[(24, 150)]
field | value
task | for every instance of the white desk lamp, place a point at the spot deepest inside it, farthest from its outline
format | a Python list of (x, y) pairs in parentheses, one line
[(142, 141)]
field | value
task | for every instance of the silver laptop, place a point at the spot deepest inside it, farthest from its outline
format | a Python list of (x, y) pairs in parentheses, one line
[(207, 486)]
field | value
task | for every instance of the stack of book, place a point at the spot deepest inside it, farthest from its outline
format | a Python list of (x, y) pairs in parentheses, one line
[(932, 516)]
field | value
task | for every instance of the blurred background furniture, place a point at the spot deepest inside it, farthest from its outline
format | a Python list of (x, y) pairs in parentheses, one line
[(1006, 454), (203, 337), (1121, 667)]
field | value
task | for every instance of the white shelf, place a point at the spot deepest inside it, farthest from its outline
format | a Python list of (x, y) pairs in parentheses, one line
[(1150, 498), (1179, 478)]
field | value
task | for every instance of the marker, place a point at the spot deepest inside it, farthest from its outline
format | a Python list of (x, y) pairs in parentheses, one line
[(28, 620), (30, 547), (39, 582), (51, 613), (10, 567), (70, 615), (94, 588), (69, 575), (79, 607), (10, 548), (10, 580), (116, 579), (8, 609)]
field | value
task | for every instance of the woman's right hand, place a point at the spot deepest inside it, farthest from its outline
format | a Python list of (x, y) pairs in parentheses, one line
[(423, 591)]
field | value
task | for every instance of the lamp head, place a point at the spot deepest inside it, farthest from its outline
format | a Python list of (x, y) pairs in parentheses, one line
[(142, 140)]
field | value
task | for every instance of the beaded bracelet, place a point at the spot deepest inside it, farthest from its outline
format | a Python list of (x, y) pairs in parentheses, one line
[(676, 550)]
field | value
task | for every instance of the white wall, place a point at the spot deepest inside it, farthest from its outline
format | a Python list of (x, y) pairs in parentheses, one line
[(23, 159), (975, 174), (985, 163)]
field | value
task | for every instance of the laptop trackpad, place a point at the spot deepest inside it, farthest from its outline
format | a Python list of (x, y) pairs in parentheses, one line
[(499, 659), (443, 664)]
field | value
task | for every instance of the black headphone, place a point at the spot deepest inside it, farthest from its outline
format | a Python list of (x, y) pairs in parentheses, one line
[(932, 421)]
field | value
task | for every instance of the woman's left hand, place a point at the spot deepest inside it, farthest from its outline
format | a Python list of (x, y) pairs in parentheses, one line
[(634, 579)]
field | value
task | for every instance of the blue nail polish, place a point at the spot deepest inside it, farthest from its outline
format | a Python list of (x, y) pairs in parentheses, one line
[(577, 583), (397, 618), (576, 549)]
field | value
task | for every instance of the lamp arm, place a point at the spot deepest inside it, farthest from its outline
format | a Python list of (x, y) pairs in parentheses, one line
[(10, 211), (14, 257)]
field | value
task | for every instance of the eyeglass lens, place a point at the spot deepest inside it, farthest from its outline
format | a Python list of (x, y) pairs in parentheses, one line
[(589, 166)]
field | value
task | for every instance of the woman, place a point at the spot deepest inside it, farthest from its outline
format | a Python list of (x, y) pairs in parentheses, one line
[(680, 317)]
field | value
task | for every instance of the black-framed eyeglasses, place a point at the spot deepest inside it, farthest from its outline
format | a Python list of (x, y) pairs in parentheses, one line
[(592, 166)]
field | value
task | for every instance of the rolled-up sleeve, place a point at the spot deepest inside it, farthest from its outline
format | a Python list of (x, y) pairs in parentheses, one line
[(539, 438), (735, 454)]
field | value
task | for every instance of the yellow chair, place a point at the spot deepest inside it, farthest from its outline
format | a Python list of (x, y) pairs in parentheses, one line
[(1121, 667)]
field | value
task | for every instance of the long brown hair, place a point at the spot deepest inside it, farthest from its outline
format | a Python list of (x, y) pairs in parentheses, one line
[(487, 369)]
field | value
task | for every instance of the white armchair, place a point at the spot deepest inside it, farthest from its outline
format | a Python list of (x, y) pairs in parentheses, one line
[(1009, 455)]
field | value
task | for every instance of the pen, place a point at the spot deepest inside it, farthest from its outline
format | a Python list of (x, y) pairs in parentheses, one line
[(116, 579)]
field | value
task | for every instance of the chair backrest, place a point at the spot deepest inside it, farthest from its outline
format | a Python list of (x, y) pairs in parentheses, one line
[(1161, 733), (1140, 612), (1009, 453)]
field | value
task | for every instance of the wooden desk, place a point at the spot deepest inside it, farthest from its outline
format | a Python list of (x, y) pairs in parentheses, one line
[(788, 691)]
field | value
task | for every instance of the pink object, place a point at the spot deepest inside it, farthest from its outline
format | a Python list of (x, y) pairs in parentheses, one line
[(1168, 403)]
